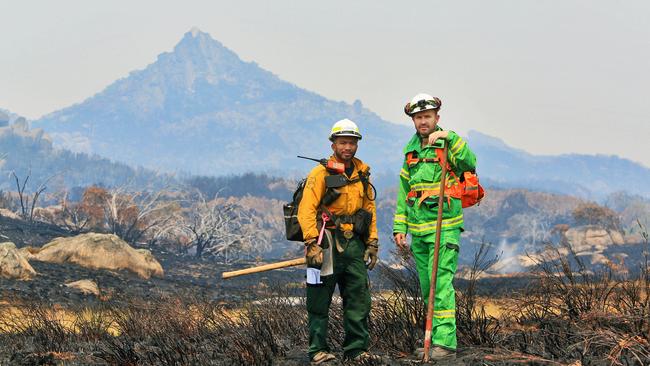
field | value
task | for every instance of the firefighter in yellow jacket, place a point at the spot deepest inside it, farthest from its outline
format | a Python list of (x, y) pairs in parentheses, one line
[(342, 199)]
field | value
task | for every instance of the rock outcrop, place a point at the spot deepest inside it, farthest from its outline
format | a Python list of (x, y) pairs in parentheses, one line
[(13, 264), (100, 251), (86, 287), (593, 238), (8, 213)]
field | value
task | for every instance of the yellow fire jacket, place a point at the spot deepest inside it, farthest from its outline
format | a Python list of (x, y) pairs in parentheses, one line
[(352, 198)]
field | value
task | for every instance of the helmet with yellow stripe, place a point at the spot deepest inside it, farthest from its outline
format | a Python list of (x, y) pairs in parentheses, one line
[(344, 127)]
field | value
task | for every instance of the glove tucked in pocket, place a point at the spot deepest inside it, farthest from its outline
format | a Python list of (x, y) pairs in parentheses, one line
[(313, 254)]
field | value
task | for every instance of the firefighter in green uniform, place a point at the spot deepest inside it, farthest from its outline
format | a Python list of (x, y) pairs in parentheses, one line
[(348, 242), (417, 211)]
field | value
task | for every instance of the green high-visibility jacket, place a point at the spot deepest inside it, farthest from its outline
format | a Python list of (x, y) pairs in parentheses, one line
[(420, 218)]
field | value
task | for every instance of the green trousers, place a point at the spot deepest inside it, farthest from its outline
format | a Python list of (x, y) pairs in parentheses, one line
[(351, 275), (443, 332)]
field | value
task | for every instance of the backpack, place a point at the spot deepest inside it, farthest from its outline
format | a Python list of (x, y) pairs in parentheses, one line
[(469, 190), (290, 209)]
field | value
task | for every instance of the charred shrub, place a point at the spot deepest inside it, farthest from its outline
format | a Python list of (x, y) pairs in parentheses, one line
[(575, 312), (474, 326), (397, 318)]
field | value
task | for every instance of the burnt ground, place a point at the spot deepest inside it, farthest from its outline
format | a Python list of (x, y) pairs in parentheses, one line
[(191, 278), (200, 278), (183, 277), (23, 233), (183, 274)]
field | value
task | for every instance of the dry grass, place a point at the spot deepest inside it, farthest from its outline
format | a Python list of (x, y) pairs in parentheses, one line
[(165, 331), (568, 315), (572, 312)]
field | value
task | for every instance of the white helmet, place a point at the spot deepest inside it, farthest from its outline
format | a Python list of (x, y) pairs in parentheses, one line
[(345, 127), (422, 102)]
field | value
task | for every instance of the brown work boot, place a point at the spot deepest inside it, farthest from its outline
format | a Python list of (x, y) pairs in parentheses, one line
[(365, 357), (437, 353), (322, 357)]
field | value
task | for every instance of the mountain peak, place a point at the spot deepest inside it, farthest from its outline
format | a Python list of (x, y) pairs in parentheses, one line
[(197, 35), (197, 46), (195, 31), (201, 109)]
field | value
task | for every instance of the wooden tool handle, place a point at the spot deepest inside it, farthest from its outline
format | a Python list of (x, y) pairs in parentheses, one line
[(265, 267)]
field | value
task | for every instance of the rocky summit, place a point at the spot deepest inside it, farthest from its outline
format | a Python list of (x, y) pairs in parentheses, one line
[(200, 108)]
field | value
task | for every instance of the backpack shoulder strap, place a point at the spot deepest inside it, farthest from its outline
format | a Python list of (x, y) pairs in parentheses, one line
[(364, 177), (298, 192), (441, 157)]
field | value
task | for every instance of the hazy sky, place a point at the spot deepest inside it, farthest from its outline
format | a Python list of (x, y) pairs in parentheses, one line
[(548, 77)]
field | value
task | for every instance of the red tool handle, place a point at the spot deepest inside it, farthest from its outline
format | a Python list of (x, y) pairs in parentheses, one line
[(436, 250)]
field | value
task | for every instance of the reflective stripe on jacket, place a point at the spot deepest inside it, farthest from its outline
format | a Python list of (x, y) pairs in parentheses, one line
[(352, 198), (415, 216)]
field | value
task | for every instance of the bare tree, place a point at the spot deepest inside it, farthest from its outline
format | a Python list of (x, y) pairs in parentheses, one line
[(254, 238), (172, 233), (129, 215), (218, 228), (215, 228), (27, 203), (72, 216), (532, 228)]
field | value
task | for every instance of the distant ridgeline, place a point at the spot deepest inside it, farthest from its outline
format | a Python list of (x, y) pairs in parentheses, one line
[(6, 117), (258, 185), (201, 110), (29, 151), (586, 176)]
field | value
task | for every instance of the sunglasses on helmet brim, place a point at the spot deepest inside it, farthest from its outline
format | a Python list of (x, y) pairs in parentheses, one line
[(423, 104)]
